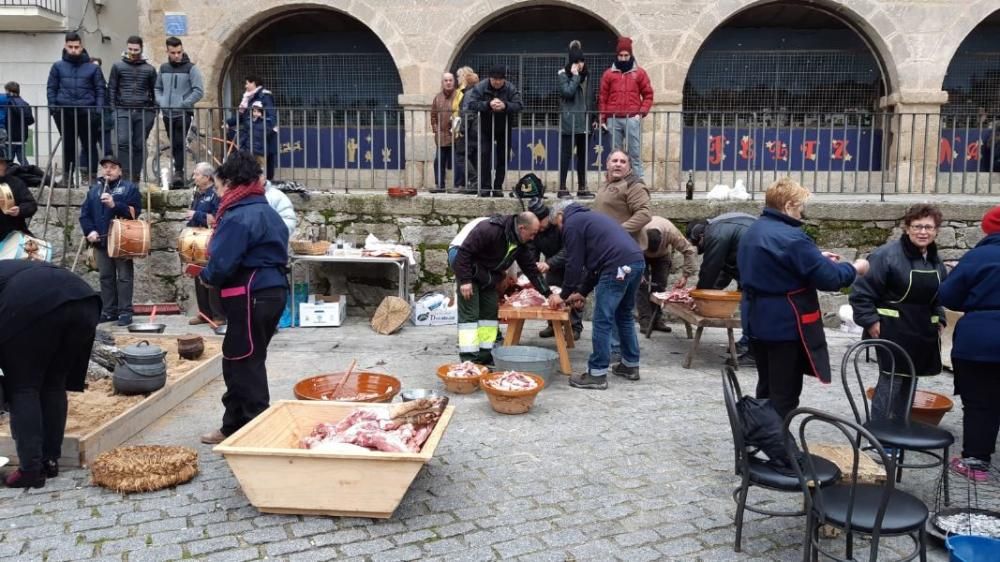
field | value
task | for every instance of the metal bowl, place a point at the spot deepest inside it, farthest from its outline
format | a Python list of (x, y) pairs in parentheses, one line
[(417, 393), (147, 328)]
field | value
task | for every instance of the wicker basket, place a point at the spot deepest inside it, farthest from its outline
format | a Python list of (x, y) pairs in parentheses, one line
[(309, 248), (716, 304), (511, 401), (460, 385), (144, 468)]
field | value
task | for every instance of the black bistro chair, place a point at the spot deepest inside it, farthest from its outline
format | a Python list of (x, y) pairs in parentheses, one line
[(901, 435), (876, 510), (755, 471)]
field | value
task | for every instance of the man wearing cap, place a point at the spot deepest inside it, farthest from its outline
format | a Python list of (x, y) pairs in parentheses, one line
[(498, 102), (549, 244), (625, 97), (16, 217), (659, 239), (480, 264), (109, 198)]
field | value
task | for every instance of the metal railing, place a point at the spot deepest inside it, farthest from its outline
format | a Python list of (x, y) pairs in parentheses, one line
[(54, 6), (348, 150)]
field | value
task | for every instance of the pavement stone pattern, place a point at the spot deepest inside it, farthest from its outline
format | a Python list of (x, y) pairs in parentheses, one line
[(642, 471)]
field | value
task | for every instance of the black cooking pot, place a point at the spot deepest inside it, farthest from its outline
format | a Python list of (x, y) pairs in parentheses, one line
[(127, 380), (143, 353)]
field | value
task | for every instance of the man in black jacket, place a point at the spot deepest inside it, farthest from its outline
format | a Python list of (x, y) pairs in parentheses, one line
[(75, 90), (717, 240), (19, 118), (16, 217), (549, 244), (481, 262), (131, 87), (498, 102)]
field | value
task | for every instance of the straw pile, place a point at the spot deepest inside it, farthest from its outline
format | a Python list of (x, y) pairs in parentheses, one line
[(144, 468)]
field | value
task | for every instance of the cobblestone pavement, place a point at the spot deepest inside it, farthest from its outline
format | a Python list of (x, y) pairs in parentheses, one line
[(642, 471)]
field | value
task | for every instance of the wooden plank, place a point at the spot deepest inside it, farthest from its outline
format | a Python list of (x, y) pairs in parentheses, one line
[(80, 450), (121, 428), (560, 335), (507, 312)]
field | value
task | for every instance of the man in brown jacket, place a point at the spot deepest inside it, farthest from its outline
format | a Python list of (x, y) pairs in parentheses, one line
[(441, 125), (659, 239), (624, 197)]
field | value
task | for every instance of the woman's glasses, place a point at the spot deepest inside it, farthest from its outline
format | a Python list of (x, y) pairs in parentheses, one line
[(923, 227)]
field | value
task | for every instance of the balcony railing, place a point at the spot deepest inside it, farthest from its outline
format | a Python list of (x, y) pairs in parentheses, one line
[(54, 6), (347, 150)]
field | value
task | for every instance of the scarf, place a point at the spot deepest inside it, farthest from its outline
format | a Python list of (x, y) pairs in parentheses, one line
[(236, 194), (625, 66), (245, 102)]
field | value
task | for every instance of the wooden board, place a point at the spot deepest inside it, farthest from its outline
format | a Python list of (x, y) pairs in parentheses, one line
[(532, 313), (869, 471), (279, 477), (82, 449)]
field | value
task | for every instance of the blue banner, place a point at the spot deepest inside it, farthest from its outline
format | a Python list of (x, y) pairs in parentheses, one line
[(781, 149), (967, 150), (381, 148)]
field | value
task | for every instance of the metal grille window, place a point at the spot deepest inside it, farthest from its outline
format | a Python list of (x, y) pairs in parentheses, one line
[(973, 86), (536, 77), (797, 86), (368, 84)]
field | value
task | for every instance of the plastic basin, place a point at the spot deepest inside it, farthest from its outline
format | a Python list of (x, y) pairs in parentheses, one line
[(526, 358), (968, 548)]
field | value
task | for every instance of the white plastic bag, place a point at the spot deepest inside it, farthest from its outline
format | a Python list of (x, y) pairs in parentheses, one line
[(719, 193), (739, 193)]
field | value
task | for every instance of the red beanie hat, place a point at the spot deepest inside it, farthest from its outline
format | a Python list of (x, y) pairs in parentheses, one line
[(624, 44), (991, 221)]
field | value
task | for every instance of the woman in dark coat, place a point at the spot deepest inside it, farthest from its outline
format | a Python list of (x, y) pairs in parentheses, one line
[(973, 287), (780, 271), (49, 320), (897, 301), (248, 256)]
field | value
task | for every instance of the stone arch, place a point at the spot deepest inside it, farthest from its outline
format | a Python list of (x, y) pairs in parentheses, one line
[(597, 10), (965, 25), (260, 14), (884, 39)]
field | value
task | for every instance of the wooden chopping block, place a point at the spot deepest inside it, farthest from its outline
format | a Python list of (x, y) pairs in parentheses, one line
[(869, 472)]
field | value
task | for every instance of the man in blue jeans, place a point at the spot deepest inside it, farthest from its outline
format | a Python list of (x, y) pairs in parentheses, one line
[(599, 252)]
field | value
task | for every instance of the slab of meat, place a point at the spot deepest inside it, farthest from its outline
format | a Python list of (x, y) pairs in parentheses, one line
[(525, 298), (401, 428), (464, 370), (682, 296), (512, 380)]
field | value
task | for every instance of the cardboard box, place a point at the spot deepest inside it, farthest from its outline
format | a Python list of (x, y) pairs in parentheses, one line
[(322, 310), (445, 314)]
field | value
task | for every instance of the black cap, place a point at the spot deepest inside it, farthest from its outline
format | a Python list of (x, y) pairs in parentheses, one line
[(575, 52), (498, 71), (111, 158)]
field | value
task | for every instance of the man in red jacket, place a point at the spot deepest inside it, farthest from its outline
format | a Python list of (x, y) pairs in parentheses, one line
[(626, 96)]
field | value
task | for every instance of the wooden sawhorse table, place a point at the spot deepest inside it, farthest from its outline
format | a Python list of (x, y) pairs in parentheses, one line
[(692, 318), (515, 318)]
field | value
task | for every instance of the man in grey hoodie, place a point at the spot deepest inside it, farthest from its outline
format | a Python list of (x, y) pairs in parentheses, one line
[(178, 87), (131, 89)]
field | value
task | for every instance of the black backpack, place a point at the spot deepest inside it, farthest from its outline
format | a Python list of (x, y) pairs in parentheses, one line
[(529, 186)]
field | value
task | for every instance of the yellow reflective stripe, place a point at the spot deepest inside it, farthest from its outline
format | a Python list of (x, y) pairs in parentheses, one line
[(935, 319), (468, 338), (887, 312), (486, 336)]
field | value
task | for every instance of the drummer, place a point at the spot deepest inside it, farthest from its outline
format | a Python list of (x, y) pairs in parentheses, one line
[(16, 217), (109, 198), (204, 205)]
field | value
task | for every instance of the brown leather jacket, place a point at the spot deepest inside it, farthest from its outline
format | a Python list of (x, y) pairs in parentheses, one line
[(441, 118)]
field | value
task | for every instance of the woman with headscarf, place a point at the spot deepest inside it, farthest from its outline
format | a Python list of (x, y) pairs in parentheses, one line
[(247, 258), (898, 301), (780, 271), (49, 320), (973, 287)]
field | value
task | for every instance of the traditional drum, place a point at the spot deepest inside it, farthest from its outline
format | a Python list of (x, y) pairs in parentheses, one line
[(6, 197), (128, 239), (19, 246), (192, 245)]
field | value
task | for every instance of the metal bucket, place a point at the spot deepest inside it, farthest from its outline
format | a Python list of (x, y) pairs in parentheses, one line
[(526, 358)]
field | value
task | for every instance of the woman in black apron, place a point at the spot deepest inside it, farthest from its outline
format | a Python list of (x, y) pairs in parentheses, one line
[(898, 301)]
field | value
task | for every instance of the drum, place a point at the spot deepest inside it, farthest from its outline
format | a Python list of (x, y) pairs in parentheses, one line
[(19, 246), (128, 239), (192, 245), (6, 197)]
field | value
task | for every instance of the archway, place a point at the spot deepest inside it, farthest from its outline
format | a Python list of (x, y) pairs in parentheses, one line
[(766, 94)]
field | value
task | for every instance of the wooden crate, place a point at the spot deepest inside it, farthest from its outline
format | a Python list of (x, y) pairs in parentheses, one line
[(279, 477), (82, 449)]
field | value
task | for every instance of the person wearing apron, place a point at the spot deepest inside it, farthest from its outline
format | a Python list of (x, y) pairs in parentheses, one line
[(247, 261), (898, 301), (780, 271)]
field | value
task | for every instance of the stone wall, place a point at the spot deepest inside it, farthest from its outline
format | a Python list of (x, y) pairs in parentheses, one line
[(850, 227)]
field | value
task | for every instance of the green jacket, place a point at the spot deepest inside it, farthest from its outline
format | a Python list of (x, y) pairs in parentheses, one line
[(572, 103)]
